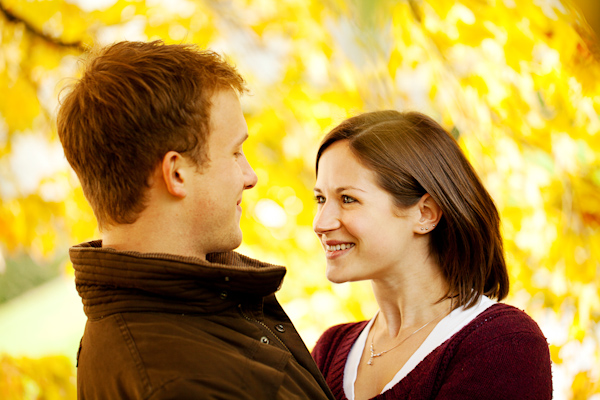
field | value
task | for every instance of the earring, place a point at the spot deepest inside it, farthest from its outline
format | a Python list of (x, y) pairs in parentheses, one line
[(422, 228), (433, 225)]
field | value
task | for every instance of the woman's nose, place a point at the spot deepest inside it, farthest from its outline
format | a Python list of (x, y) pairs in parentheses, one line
[(326, 220)]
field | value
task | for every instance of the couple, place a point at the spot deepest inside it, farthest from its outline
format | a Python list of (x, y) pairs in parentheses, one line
[(155, 134)]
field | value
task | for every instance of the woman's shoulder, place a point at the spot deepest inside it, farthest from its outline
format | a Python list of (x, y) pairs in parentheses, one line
[(504, 318), (503, 344), (500, 325)]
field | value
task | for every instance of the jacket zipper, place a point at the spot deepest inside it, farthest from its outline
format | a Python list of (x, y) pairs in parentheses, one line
[(267, 328)]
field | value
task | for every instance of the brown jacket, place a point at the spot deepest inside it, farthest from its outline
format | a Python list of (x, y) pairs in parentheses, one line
[(169, 327)]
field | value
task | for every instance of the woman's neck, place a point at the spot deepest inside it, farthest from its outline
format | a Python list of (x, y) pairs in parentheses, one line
[(410, 300)]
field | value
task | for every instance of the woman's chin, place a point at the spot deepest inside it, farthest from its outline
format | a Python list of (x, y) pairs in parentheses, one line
[(334, 276)]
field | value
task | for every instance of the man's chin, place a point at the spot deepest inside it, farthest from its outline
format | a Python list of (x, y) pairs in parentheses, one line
[(229, 244)]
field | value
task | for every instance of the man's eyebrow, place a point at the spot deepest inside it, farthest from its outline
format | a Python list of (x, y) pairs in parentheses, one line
[(340, 189)]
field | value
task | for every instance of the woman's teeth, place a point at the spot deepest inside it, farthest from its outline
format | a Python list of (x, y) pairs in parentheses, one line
[(339, 247)]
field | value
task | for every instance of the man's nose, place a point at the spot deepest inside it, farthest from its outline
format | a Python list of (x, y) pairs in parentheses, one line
[(250, 178)]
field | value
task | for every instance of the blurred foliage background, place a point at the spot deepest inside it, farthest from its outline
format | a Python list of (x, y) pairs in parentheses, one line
[(517, 82)]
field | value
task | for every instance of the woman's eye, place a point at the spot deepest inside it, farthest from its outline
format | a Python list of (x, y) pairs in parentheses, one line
[(347, 199), (320, 199)]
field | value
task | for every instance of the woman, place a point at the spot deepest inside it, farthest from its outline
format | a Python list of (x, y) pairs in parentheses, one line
[(400, 205)]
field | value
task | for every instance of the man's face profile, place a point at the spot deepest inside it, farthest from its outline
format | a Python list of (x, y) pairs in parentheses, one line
[(216, 189)]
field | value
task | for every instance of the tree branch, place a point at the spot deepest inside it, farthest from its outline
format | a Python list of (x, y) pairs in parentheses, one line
[(13, 18), (415, 10)]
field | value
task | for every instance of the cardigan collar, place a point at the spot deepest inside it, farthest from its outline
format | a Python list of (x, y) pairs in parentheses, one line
[(111, 281)]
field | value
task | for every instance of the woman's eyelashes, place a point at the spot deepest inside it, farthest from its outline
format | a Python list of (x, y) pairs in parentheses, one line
[(347, 199), (320, 199)]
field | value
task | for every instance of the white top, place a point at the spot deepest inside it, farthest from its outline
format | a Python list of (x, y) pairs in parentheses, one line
[(443, 331)]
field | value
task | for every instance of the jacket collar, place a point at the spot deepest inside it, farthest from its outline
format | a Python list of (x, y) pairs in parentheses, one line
[(110, 281)]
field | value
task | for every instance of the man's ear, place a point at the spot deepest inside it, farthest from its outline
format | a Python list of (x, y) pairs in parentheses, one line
[(430, 214), (173, 173)]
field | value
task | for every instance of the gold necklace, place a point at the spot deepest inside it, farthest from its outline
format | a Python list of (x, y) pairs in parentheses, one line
[(374, 355)]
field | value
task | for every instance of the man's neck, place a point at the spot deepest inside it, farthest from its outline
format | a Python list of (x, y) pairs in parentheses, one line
[(144, 239)]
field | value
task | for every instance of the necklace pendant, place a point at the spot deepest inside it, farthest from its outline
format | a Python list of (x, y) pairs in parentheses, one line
[(373, 355)]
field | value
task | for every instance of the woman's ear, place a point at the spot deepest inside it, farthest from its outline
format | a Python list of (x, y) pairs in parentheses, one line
[(430, 214), (174, 173)]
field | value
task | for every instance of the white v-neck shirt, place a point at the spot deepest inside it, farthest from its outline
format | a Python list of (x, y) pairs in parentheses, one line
[(443, 331)]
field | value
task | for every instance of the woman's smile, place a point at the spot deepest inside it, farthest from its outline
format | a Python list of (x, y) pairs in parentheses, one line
[(335, 249)]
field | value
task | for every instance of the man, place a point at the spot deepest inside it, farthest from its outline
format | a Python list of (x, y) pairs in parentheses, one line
[(155, 133)]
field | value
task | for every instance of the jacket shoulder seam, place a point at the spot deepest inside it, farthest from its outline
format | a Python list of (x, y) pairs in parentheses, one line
[(133, 351)]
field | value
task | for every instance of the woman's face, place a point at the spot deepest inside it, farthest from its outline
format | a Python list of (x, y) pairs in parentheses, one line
[(365, 236)]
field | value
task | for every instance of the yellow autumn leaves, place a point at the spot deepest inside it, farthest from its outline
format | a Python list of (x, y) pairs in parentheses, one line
[(518, 82)]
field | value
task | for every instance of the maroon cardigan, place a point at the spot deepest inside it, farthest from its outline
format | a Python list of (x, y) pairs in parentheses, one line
[(501, 354)]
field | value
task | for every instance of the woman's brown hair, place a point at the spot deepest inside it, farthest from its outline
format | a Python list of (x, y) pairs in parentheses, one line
[(412, 155), (135, 102)]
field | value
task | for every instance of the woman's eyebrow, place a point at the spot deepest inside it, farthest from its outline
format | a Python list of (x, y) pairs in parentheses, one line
[(341, 189)]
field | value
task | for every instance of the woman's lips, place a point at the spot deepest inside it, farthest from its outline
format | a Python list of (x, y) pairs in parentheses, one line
[(335, 250)]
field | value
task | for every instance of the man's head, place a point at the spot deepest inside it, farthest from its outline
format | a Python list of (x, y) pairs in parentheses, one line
[(135, 103)]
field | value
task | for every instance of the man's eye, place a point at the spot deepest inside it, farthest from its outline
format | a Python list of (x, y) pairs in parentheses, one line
[(347, 199)]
